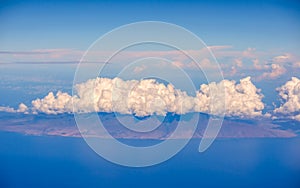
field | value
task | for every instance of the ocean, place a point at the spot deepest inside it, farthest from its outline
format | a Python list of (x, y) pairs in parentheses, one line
[(55, 161)]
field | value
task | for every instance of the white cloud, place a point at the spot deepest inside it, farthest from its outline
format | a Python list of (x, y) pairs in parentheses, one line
[(139, 69), (287, 59), (242, 99), (258, 66), (206, 63), (250, 53), (60, 103), (283, 58), (22, 109), (147, 97), (290, 93), (219, 47), (238, 62), (142, 98), (6, 109), (276, 71), (41, 55)]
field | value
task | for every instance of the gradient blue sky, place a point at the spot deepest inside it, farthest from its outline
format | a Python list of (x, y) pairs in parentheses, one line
[(249, 38), (29, 25)]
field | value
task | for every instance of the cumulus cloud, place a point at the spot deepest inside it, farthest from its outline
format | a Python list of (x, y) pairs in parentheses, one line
[(241, 99), (144, 97), (53, 104), (290, 94), (22, 108), (147, 97), (276, 71)]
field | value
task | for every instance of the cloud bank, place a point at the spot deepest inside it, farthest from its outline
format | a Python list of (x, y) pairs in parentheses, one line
[(148, 97), (142, 98)]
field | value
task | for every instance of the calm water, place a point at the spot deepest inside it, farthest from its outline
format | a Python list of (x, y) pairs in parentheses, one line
[(31, 161)]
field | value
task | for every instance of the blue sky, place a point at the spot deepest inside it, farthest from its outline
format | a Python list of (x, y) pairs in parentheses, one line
[(28, 25), (249, 38)]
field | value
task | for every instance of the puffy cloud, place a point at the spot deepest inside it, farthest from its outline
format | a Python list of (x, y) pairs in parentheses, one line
[(287, 59), (276, 71), (206, 63), (147, 97), (243, 99), (139, 69), (290, 93), (250, 53), (142, 98), (6, 109), (22, 108), (60, 103), (258, 66), (238, 62), (283, 58)]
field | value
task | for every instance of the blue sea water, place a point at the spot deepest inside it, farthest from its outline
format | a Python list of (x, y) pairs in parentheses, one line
[(49, 161)]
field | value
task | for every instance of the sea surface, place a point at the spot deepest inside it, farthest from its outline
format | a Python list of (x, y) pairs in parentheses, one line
[(55, 161)]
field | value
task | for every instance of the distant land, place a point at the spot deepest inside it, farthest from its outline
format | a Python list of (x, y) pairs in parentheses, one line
[(65, 125)]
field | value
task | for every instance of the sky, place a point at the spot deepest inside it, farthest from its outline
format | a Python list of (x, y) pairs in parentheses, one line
[(254, 42), (30, 25)]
